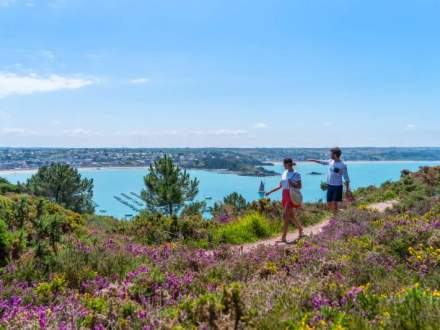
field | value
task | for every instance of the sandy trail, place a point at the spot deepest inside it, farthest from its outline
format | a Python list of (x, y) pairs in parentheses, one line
[(311, 230)]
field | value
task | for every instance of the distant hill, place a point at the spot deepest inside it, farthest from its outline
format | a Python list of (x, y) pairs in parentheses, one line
[(245, 161)]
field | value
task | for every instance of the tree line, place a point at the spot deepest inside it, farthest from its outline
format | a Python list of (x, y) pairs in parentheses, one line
[(168, 188)]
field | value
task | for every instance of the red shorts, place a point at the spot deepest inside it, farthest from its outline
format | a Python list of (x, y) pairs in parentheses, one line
[(287, 201)]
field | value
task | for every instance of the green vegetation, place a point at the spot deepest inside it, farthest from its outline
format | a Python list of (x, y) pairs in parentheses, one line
[(409, 190), (248, 228), (168, 187), (366, 270), (6, 186), (232, 205), (64, 185)]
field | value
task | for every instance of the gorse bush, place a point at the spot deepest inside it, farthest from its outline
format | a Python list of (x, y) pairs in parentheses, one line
[(33, 228), (154, 228), (5, 242), (7, 187)]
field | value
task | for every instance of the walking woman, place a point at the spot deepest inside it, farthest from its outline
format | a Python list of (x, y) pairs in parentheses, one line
[(289, 179)]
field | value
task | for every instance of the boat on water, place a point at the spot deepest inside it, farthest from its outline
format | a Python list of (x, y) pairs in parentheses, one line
[(261, 190), (315, 173), (103, 211), (208, 198)]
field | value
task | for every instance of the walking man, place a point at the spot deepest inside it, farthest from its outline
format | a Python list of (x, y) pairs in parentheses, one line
[(337, 175)]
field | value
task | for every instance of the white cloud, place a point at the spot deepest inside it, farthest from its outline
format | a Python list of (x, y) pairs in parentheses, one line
[(260, 125), (13, 84), (410, 126), (139, 81), (328, 123)]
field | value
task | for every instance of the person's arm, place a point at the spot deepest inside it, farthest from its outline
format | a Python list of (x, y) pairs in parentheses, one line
[(317, 161), (346, 179), (274, 190)]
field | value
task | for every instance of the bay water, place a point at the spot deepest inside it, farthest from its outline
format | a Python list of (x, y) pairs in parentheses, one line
[(111, 182)]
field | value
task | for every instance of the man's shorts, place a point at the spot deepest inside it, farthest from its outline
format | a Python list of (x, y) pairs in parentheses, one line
[(334, 194)]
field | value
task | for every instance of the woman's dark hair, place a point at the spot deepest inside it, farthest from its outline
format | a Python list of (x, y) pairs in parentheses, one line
[(288, 161), (336, 151)]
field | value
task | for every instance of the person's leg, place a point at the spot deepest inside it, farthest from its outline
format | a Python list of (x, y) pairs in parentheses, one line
[(286, 218), (334, 208), (337, 198), (333, 195), (330, 199), (296, 222)]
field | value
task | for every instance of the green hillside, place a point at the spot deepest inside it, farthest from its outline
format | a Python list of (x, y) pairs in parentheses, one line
[(366, 270)]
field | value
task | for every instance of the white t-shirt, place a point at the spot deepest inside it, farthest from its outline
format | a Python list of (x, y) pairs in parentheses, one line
[(289, 176), (337, 173)]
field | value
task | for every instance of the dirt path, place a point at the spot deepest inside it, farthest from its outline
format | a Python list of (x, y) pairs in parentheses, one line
[(311, 230)]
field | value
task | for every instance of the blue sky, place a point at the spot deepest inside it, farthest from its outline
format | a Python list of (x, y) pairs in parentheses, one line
[(219, 73)]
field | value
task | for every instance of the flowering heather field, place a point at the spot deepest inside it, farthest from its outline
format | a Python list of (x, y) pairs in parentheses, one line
[(364, 271)]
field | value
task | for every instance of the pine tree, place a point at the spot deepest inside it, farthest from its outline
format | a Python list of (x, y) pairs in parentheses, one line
[(168, 187), (63, 184)]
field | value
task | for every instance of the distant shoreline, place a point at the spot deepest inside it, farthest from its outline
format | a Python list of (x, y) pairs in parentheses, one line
[(366, 161), (221, 171), (121, 168), (94, 168)]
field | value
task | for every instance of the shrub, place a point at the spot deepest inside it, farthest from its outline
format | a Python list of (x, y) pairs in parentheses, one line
[(5, 242), (248, 228)]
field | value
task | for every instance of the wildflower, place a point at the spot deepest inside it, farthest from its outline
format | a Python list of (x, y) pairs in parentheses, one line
[(42, 319)]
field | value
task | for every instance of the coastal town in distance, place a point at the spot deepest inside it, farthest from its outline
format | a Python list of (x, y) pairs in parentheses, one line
[(241, 161)]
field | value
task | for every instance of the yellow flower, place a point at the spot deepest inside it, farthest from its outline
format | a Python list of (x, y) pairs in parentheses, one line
[(303, 324)]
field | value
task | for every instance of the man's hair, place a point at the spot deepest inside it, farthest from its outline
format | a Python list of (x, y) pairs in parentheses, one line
[(337, 151), (288, 161)]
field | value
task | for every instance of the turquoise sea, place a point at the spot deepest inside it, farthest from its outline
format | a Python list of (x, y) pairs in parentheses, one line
[(110, 182)]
